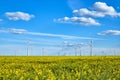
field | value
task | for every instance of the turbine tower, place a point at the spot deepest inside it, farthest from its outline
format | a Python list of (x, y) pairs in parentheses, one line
[(42, 51), (91, 47), (16, 51), (28, 46), (64, 47), (80, 47)]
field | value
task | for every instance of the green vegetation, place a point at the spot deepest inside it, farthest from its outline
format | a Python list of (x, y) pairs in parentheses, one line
[(59, 68)]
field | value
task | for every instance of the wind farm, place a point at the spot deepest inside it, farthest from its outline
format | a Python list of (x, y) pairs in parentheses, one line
[(59, 40)]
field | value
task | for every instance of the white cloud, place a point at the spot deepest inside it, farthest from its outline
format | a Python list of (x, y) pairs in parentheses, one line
[(100, 9), (1, 20), (23, 31), (19, 16), (86, 12), (58, 35), (105, 9), (79, 20), (85, 16), (110, 32), (13, 30), (61, 36)]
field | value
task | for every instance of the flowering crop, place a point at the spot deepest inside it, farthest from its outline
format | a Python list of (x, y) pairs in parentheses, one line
[(60, 68)]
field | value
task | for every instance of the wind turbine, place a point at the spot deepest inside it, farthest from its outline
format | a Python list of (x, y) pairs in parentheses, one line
[(16, 51), (75, 51), (80, 45), (91, 47), (42, 51), (70, 45), (65, 46), (28, 46)]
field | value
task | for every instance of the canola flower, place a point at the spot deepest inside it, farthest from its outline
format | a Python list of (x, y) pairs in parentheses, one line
[(60, 68)]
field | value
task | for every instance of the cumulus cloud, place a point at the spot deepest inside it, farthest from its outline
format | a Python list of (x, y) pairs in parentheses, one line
[(100, 9), (79, 20), (85, 16), (19, 16), (110, 32), (86, 12)]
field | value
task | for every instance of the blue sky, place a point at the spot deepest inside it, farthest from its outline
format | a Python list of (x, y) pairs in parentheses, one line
[(49, 23)]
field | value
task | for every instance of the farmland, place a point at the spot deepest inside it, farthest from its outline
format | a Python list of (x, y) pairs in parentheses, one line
[(60, 68)]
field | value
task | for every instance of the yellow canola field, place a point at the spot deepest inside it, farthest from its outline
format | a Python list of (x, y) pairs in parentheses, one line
[(60, 68)]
